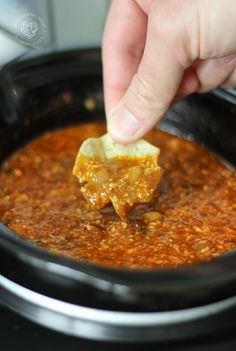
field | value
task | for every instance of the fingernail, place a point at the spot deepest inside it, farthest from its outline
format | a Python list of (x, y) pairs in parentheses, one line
[(123, 125)]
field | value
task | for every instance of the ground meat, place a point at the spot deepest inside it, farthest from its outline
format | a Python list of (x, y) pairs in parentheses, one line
[(191, 219)]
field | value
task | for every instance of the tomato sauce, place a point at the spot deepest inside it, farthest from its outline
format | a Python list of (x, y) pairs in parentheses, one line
[(191, 219)]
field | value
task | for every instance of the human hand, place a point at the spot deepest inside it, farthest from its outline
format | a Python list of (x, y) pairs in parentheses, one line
[(157, 51)]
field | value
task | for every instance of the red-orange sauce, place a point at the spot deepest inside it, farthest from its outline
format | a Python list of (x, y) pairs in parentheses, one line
[(123, 181), (191, 219)]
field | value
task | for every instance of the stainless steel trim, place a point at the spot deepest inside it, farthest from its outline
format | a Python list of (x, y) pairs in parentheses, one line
[(101, 324)]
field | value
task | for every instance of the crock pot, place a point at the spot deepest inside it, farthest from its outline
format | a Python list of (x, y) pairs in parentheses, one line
[(52, 90)]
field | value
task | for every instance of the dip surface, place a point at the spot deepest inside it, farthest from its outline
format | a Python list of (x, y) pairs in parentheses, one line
[(191, 219)]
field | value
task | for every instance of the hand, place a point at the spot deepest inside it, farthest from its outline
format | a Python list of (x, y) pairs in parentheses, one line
[(157, 51)]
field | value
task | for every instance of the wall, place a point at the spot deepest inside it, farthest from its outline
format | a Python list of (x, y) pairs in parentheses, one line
[(60, 24)]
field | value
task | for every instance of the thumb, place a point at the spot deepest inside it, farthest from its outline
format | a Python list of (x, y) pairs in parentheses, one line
[(152, 88)]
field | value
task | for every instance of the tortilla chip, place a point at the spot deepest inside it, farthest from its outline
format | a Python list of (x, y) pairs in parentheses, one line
[(105, 147), (124, 175)]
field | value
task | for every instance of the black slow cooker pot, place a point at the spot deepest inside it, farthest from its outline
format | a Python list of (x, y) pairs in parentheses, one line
[(166, 305)]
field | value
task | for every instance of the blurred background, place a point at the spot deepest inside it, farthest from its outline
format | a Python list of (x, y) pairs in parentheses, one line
[(29, 25)]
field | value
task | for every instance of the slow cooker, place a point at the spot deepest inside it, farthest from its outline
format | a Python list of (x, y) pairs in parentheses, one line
[(174, 309)]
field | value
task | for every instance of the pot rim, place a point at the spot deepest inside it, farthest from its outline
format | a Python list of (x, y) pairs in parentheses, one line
[(98, 324)]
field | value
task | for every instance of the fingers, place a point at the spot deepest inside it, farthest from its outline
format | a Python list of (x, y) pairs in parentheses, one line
[(214, 72), (155, 84), (188, 85), (230, 82), (182, 54), (123, 44)]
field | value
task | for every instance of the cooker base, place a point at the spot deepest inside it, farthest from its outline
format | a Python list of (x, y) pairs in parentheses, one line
[(18, 333)]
